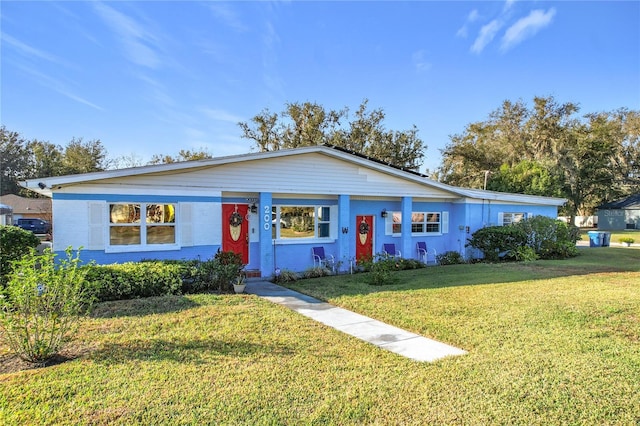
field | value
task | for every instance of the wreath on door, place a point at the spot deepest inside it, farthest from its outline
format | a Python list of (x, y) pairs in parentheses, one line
[(363, 228), (236, 219)]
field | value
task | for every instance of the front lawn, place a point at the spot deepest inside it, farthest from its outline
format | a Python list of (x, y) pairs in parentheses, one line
[(549, 342)]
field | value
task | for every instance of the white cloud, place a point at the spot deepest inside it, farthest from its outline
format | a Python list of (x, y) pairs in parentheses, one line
[(227, 15), (508, 4), (58, 86), (420, 61), (526, 27), (136, 39), (221, 115), (487, 34), (472, 17), (29, 51)]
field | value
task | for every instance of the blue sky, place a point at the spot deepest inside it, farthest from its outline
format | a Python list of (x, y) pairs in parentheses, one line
[(156, 77)]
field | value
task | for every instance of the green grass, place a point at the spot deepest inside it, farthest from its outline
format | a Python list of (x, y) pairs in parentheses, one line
[(553, 342)]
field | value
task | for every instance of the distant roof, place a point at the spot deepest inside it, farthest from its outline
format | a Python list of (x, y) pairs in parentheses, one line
[(23, 205), (631, 202)]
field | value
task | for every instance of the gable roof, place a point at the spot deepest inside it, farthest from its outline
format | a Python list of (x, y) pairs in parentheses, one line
[(631, 202), (46, 186), (23, 205)]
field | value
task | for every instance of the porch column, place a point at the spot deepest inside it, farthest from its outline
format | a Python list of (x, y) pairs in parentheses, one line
[(266, 243), (344, 238), (406, 244)]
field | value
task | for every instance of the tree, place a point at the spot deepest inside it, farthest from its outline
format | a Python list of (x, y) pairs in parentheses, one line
[(263, 132), (548, 150), (22, 159), (526, 177), (46, 159), (84, 157), (183, 155), (469, 156), (309, 124), (14, 161), (127, 161)]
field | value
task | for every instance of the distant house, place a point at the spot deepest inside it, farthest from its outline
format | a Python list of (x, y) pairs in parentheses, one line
[(620, 214), (6, 215), (28, 208), (272, 208)]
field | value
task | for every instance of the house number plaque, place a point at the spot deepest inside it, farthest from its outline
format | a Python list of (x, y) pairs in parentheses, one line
[(267, 218)]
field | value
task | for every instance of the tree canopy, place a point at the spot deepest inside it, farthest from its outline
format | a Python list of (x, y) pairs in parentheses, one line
[(308, 124), (547, 149), (183, 155), (21, 159)]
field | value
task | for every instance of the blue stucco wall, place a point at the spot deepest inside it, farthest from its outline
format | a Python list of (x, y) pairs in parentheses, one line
[(266, 255)]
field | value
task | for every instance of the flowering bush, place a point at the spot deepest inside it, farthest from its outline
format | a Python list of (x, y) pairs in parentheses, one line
[(42, 303)]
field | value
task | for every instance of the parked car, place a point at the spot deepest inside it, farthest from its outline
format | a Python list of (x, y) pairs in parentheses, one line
[(37, 226)]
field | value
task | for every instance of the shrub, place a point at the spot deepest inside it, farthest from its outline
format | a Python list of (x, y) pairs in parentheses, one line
[(525, 253), (132, 280), (381, 270), (550, 238), (14, 243), (450, 258), (533, 238), (193, 274), (285, 276), (316, 272), (43, 301), (226, 267), (498, 241), (403, 264), (626, 240)]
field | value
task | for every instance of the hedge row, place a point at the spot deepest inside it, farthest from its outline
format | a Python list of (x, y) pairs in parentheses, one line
[(151, 278), (132, 280)]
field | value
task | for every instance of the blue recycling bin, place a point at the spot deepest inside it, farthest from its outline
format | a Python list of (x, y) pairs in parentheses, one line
[(594, 239), (605, 237)]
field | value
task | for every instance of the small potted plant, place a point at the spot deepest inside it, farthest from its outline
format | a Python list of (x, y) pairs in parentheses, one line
[(239, 283), (627, 241)]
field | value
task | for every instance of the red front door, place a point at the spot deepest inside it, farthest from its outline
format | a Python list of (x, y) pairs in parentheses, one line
[(364, 237), (235, 236)]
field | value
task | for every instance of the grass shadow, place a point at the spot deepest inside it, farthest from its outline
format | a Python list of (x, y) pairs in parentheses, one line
[(190, 351), (142, 307)]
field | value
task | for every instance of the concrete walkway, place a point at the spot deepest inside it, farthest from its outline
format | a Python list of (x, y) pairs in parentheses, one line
[(378, 333)]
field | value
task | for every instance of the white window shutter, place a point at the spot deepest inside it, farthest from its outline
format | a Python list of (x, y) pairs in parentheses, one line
[(501, 219), (333, 223), (97, 226), (186, 227), (445, 222), (388, 224)]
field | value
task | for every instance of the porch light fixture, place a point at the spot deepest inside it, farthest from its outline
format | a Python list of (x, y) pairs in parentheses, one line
[(252, 208), (383, 213)]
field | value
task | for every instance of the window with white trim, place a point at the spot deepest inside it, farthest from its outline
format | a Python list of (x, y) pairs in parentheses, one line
[(126, 227), (421, 222), (301, 222), (509, 218)]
